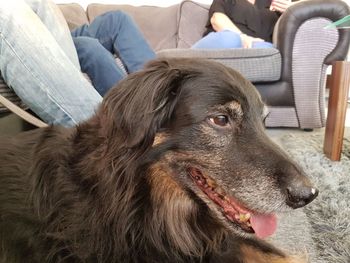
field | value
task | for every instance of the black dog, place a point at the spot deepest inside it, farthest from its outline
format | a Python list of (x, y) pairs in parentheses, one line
[(174, 167)]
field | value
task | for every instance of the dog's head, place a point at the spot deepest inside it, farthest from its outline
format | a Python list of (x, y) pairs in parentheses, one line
[(200, 127)]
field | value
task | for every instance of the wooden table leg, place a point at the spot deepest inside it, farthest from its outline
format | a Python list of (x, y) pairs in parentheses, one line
[(337, 105)]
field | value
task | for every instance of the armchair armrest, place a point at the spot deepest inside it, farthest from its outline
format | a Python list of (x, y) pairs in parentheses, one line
[(307, 49), (297, 15)]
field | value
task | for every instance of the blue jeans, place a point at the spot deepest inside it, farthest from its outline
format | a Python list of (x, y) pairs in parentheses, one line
[(111, 33), (39, 62), (226, 39)]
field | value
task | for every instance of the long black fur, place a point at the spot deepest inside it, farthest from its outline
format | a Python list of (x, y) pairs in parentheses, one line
[(106, 191)]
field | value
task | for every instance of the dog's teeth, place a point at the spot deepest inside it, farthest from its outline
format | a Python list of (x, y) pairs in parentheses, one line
[(220, 191), (244, 217), (200, 182), (241, 217), (211, 183), (221, 196)]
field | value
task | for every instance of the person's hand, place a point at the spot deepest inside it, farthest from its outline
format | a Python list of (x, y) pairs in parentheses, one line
[(280, 5), (247, 41)]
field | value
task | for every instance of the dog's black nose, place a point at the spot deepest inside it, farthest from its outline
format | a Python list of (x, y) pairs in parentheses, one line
[(300, 196), (299, 191)]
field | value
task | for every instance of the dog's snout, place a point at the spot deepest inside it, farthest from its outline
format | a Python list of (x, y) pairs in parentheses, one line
[(300, 196)]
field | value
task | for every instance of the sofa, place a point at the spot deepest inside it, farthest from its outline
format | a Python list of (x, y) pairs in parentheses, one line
[(290, 77)]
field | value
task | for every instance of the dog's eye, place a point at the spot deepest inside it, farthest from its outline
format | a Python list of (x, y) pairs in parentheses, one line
[(220, 120)]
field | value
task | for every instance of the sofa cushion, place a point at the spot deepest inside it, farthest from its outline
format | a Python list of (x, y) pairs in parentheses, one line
[(256, 64), (192, 20), (158, 24), (74, 14)]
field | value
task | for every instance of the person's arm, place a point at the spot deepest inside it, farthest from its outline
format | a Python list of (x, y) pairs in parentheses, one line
[(281, 5), (220, 21)]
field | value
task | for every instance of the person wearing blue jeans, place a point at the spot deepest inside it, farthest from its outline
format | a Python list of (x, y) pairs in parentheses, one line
[(111, 33), (242, 23), (228, 39), (39, 61)]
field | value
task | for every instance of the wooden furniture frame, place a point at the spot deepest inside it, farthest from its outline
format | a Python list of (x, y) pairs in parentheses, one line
[(21, 113), (337, 106)]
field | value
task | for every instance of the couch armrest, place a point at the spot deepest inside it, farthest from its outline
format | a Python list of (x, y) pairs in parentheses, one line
[(307, 49)]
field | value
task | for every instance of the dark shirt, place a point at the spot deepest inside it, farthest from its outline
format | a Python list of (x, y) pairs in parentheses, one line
[(254, 20)]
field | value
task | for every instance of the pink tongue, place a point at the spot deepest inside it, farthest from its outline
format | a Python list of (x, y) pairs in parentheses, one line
[(263, 225)]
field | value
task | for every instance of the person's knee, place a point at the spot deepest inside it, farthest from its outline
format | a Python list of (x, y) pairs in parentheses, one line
[(222, 39), (117, 17), (89, 48), (228, 39), (262, 44)]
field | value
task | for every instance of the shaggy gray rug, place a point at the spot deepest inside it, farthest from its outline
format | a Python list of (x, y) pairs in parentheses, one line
[(321, 229)]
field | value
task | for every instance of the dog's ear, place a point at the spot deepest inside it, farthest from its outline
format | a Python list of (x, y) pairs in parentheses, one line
[(143, 103)]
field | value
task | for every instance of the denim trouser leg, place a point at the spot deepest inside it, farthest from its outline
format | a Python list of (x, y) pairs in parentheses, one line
[(34, 64), (221, 39), (226, 39), (98, 63), (118, 33), (52, 17)]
